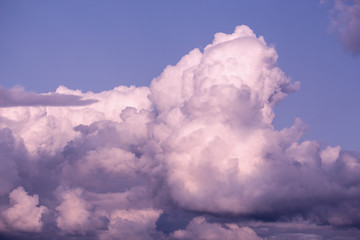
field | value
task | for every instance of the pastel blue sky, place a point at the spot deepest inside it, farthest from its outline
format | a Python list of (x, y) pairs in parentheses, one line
[(97, 45)]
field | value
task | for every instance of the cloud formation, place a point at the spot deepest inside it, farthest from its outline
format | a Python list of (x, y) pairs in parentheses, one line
[(24, 214), (346, 19), (198, 228), (193, 156), (18, 97), (73, 212)]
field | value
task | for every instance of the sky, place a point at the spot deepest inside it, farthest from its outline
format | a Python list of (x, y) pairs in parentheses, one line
[(179, 119), (95, 46)]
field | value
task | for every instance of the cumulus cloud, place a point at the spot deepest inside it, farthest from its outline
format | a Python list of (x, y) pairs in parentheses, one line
[(193, 156), (199, 228), (73, 212), (139, 224), (18, 97), (24, 213), (220, 120), (346, 19)]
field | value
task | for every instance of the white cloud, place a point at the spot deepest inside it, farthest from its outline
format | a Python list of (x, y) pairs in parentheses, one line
[(73, 212), (48, 128), (329, 155), (218, 121), (137, 224), (199, 228), (24, 213)]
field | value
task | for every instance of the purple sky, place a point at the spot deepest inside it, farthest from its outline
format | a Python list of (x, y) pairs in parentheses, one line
[(131, 120)]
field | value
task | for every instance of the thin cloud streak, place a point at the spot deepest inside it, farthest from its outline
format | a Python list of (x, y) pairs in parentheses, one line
[(17, 97)]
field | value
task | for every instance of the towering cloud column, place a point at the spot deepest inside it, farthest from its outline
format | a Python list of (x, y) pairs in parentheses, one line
[(215, 121)]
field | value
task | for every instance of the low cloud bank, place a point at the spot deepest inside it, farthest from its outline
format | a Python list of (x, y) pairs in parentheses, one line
[(198, 142)]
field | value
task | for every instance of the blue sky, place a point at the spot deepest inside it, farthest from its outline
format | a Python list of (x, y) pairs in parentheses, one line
[(97, 45)]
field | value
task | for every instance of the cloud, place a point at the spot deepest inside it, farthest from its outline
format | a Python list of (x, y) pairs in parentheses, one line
[(194, 155), (12, 152), (346, 19), (198, 228), (133, 224), (73, 212), (220, 121), (298, 229), (18, 97), (24, 213)]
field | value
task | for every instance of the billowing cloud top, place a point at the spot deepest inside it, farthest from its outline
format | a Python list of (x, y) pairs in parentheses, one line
[(194, 156)]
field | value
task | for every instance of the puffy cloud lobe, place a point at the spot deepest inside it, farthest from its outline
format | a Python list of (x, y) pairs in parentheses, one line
[(73, 212), (48, 129), (199, 228), (219, 120), (346, 18), (329, 155), (133, 224), (198, 141), (237, 62), (24, 213)]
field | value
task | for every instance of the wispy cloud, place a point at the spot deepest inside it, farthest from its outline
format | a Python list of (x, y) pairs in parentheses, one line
[(345, 17), (18, 97)]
